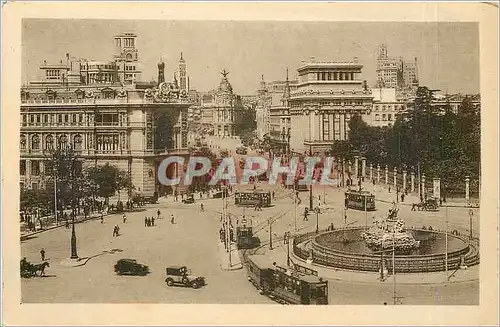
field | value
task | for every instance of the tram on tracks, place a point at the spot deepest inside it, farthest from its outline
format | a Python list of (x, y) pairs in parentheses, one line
[(358, 199), (298, 285), (252, 198)]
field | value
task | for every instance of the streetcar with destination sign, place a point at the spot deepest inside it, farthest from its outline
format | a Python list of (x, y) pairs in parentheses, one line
[(358, 199)]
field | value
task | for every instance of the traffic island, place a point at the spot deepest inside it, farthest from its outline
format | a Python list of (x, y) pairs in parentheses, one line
[(229, 260), (74, 262)]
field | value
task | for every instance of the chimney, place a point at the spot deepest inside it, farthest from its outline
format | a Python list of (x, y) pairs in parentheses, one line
[(356, 59), (67, 56)]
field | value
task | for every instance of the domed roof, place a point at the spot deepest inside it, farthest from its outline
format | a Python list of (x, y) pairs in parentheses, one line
[(224, 85)]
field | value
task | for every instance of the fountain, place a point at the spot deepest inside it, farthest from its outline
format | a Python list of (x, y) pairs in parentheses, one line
[(361, 248), (390, 233)]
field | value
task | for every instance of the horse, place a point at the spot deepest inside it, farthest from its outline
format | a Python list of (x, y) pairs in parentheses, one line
[(39, 267)]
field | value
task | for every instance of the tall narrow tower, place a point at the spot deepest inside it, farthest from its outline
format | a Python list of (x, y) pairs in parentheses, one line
[(161, 72), (127, 57), (183, 78)]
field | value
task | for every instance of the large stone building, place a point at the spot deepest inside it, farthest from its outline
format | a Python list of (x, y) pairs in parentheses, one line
[(388, 105), (107, 116), (395, 72), (328, 94), (272, 118), (222, 110)]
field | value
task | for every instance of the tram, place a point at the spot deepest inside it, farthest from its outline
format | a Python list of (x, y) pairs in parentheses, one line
[(287, 286), (358, 199), (252, 198)]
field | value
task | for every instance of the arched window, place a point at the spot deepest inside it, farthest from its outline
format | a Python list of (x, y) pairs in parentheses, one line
[(35, 142), (49, 142), (23, 142), (77, 142), (63, 141)]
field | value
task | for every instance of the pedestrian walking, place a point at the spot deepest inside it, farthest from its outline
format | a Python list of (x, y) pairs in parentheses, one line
[(124, 218), (403, 197), (152, 221), (413, 205), (158, 213), (273, 195), (172, 219), (42, 254)]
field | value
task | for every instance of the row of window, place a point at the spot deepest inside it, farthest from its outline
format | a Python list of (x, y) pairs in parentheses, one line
[(100, 119), (385, 117), (62, 142), (29, 119), (388, 107), (335, 76), (35, 167), (53, 72), (129, 67)]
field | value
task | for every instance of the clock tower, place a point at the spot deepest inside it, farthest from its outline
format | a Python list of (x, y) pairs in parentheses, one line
[(127, 57)]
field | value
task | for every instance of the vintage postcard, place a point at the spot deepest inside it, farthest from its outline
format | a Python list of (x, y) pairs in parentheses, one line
[(250, 163)]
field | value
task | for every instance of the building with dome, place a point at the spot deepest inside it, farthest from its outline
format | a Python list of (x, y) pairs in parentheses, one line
[(106, 114), (226, 108)]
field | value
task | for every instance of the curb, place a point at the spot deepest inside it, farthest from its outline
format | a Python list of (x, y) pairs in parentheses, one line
[(333, 270), (27, 236)]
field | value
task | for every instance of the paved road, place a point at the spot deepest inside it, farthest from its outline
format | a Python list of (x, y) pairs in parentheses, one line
[(191, 241)]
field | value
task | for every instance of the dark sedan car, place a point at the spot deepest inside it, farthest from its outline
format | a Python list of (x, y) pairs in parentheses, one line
[(131, 267)]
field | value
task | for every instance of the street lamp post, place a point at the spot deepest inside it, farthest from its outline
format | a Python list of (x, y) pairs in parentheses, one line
[(55, 196), (310, 186), (270, 234), (317, 220)]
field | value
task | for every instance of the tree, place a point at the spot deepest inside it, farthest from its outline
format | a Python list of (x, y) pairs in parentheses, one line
[(109, 180)]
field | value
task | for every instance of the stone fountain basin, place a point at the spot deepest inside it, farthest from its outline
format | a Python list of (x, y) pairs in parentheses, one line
[(346, 249)]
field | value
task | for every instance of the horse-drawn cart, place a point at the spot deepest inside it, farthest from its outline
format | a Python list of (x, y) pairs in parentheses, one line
[(29, 270), (428, 205)]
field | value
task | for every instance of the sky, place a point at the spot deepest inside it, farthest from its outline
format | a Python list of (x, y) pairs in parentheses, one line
[(447, 53)]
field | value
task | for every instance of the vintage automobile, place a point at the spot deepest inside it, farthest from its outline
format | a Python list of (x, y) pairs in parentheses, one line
[(131, 267), (241, 150), (180, 275), (189, 199)]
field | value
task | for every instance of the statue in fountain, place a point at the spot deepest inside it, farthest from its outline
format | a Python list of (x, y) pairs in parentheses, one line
[(390, 232)]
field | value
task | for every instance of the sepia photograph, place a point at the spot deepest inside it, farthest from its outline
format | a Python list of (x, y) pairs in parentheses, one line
[(250, 162)]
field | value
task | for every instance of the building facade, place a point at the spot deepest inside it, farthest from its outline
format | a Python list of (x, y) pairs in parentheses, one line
[(106, 117), (387, 107), (328, 94), (395, 72)]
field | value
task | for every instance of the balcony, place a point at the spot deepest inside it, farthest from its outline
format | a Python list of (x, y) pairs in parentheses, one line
[(91, 102)]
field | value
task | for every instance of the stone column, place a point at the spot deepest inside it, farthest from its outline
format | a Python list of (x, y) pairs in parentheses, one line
[(436, 188), (467, 191), (423, 186), (371, 172), (363, 167), (395, 177), (356, 165), (404, 181), (343, 172), (378, 174), (412, 186), (386, 174)]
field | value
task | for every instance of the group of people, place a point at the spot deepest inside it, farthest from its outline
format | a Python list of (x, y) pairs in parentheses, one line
[(149, 221)]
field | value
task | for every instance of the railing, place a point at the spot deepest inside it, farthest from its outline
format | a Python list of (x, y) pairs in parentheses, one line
[(92, 101), (371, 262), (331, 92)]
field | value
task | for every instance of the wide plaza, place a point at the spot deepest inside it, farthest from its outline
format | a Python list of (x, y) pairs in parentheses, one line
[(193, 241)]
